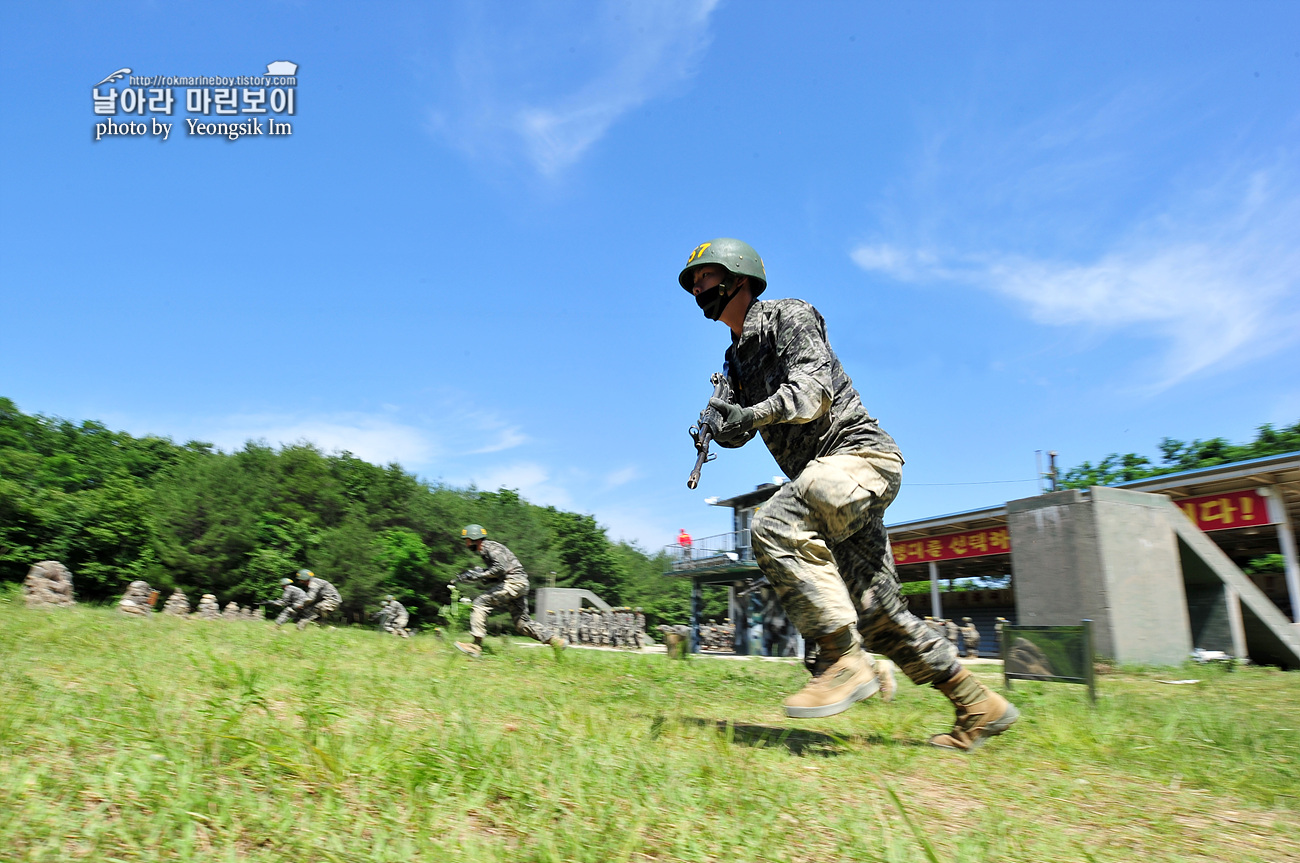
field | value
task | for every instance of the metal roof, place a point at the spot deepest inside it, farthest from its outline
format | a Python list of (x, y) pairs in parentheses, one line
[(1279, 471)]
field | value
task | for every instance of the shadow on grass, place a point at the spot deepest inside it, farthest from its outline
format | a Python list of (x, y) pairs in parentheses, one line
[(796, 741)]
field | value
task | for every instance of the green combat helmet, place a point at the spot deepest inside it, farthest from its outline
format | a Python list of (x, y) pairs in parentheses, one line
[(473, 531), (285, 582), (306, 575), (388, 598), (734, 256)]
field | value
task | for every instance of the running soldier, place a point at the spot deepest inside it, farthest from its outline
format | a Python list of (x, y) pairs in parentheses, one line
[(821, 540), (321, 598), (950, 631), (509, 590), (289, 597)]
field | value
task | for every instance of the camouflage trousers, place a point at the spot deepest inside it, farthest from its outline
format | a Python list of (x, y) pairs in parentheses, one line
[(821, 542), (512, 595), (316, 611), (397, 626), (284, 616)]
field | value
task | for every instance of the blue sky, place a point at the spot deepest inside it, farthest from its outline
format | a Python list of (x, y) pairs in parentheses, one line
[(1029, 226)]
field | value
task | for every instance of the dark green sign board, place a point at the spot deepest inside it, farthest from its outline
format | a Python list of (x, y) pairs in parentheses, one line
[(1054, 653)]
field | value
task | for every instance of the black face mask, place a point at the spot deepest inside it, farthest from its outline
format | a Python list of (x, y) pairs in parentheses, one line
[(713, 302)]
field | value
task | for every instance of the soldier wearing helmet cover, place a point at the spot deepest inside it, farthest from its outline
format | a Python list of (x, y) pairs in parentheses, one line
[(820, 539), (508, 588), (395, 617)]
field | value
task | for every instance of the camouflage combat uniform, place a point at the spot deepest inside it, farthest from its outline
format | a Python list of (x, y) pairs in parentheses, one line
[(821, 538), (293, 594), (950, 631), (396, 619), (510, 592), (321, 599), (970, 637)]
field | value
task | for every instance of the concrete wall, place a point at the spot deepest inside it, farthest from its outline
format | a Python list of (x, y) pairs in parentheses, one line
[(565, 599), (1107, 556), (1143, 577), (1056, 568)]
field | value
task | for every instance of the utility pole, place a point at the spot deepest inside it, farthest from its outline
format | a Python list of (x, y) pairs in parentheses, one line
[(1051, 475)]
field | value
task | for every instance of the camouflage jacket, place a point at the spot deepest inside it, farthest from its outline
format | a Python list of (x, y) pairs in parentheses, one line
[(318, 590), (293, 594), (804, 404), (500, 562)]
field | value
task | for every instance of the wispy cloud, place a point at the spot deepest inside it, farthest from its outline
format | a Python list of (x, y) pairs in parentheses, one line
[(374, 438), (547, 81), (622, 476), (1218, 282), (533, 481)]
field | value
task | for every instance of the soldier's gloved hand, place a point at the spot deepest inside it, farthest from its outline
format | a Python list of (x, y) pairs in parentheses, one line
[(736, 421)]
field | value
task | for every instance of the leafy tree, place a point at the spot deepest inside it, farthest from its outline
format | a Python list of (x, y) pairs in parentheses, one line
[(1177, 456), (115, 508)]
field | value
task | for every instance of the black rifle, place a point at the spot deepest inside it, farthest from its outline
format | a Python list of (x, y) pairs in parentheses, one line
[(702, 433)]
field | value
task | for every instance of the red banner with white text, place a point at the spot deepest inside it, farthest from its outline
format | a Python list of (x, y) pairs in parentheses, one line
[(953, 546)]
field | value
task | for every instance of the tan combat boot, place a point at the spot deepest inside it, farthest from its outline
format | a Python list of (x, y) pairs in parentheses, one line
[(557, 642), (842, 676), (981, 713), (475, 650)]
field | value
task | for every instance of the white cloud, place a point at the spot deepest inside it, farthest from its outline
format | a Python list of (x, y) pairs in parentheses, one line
[(511, 85), (622, 476), (1217, 279), (377, 439), (533, 481), (507, 438)]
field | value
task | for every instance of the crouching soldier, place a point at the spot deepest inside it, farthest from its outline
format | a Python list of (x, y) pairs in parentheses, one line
[(507, 588), (319, 600), (395, 617), (292, 595)]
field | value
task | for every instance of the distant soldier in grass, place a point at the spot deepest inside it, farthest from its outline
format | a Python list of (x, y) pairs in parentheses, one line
[(320, 600), (970, 636), (289, 597), (395, 617), (950, 631), (508, 588), (820, 539)]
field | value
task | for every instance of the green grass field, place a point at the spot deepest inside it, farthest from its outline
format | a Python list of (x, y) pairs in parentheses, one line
[(192, 740)]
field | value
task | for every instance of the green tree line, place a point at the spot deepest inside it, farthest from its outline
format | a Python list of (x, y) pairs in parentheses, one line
[(115, 508), (1177, 456)]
